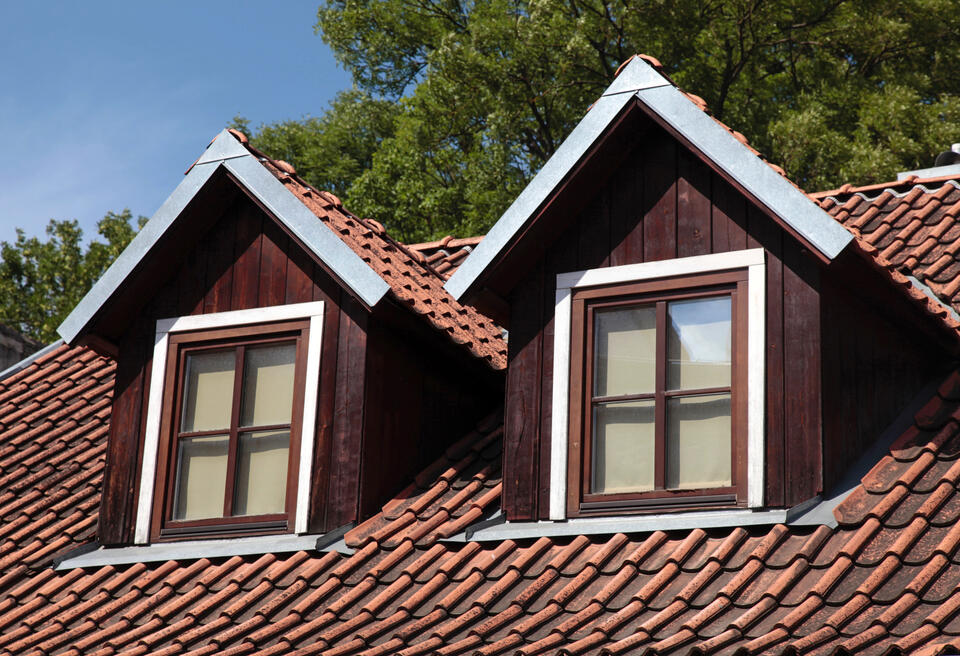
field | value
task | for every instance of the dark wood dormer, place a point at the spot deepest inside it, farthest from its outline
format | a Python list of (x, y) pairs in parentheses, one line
[(390, 388), (646, 190)]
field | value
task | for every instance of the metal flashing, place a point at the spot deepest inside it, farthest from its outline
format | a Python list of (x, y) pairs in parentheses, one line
[(224, 146), (766, 185), (347, 265), (27, 361), (929, 293), (567, 156), (932, 172), (310, 230), (640, 80), (193, 549)]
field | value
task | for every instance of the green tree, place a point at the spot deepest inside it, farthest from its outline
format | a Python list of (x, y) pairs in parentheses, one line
[(484, 92), (41, 280)]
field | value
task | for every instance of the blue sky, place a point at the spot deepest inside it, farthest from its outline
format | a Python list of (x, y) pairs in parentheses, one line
[(104, 105)]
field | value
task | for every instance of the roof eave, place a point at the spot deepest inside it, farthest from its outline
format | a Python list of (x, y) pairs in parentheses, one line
[(639, 80), (225, 151)]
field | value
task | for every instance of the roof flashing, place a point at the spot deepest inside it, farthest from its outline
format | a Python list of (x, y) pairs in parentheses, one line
[(640, 80)]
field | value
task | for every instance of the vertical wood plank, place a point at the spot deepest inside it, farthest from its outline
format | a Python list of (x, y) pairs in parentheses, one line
[(729, 218), (329, 292), (801, 320), (347, 438), (300, 285), (272, 287), (693, 206), (191, 281), (220, 254), (594, 233), (522, 412), (660, 198), (626, 212), (246, 268)]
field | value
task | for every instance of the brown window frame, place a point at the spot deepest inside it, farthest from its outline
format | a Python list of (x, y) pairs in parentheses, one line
[(162, 526), (656, 292)]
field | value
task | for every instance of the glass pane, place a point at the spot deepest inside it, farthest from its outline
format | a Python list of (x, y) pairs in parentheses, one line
[(623, 447), (201, 477), (261, 473), (698, 343), (208, 393), (625, 347), (268, 385), (698, 442)]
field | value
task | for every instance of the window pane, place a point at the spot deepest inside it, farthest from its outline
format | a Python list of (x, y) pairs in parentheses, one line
[(201, 477), (261, 473), (208, 397), (625, 343), (623, 447), (268, 385), (698, 442), (698, 343)]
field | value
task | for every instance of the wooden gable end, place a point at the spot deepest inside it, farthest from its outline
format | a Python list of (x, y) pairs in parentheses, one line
[(243, 260), (660, 201)]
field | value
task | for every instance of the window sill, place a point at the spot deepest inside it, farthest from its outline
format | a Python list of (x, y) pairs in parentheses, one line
[(193, 549)]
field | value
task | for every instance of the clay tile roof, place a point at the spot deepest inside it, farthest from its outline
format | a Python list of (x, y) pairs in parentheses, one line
[(445, 255), (913, 225), (884, 581), (413, 281)]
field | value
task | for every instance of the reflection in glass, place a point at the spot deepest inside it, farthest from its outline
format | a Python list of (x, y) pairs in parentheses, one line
[(201, 477), (623, 447), (698, 343), (698, 442), (268, 385), (261, 486), (208, 391), (625, 349)]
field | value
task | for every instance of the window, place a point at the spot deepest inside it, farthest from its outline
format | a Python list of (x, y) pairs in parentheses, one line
[(230, 424), (658, 387)]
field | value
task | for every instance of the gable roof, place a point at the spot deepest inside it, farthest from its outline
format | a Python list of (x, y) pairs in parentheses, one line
[(885, 581), (358, 251), (640, 80)]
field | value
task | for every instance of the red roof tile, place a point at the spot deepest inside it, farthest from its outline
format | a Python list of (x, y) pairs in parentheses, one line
[(885, 579), (446, 255)]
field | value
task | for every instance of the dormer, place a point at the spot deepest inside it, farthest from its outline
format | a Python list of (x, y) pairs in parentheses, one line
[(689, 331), (283, 367)]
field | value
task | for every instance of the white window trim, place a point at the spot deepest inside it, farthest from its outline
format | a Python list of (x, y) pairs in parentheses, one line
[(753, 261), (148, 473)]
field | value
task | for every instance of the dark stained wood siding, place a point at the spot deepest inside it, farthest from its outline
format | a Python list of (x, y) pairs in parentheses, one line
[(875, 362), (663, 202), (244, 260)]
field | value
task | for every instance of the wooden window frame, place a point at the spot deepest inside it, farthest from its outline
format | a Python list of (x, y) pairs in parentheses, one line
[(238, 339), (235, 324), (581, 502)]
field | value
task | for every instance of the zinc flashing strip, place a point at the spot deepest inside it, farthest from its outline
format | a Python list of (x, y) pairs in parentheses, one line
[(756, 176), (310, 230), (929, 293), (30, 359), (932, 172), (145, 240), (637, 75), (194, 549)]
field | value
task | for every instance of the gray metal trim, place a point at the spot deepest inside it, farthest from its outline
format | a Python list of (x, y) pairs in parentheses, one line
[(933, 297), (305, 225), (932, 172), (570, 152), (224, 146), (642, 81), (316, 236), (123, 266), (27, 361), (193, 549), (756, 176)]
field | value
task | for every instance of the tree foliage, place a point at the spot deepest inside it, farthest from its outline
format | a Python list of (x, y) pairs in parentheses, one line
[(41, 280), (458, 103)]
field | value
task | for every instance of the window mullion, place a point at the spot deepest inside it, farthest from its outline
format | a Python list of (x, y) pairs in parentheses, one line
[(233, 446), (660, 410)]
